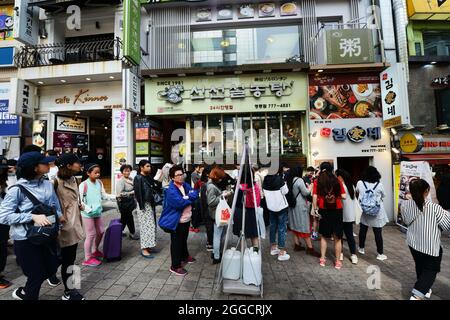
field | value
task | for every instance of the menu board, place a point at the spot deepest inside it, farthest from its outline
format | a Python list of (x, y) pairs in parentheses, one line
[(142, 148), (156, 135), (142, 133), (156, 149), (62, 140)]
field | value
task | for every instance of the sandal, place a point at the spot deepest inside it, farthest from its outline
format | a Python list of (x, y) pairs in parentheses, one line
[(322, 262)]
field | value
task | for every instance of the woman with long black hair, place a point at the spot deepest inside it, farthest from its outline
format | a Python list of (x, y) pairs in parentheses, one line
[(299, 216), (328, 193), (425, 221), (349, 212), (144, 187)]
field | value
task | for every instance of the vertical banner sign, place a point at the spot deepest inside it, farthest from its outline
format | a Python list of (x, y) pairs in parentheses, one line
[(26, 22), (394, 96), (131, 91), (349, 46), (409, 171), (9, 124), (131, 30), (120, 128), (22, 98)]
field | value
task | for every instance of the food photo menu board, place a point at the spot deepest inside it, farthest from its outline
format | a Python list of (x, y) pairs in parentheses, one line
[(288, 9), (345, 97)]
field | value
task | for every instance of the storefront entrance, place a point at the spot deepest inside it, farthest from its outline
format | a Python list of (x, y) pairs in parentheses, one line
[(88, 134), (355, 166)]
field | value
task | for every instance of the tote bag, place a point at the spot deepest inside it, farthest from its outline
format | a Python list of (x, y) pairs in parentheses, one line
[(223, 213)]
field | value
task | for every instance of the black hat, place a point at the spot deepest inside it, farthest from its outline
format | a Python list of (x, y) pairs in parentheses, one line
[(12, 162), (66, 159), (32, 159)]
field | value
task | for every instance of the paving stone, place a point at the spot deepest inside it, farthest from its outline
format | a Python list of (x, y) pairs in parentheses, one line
[(115, 290), (156, 283), (169, 290), (149, 294), (94, 294), (105, 284)]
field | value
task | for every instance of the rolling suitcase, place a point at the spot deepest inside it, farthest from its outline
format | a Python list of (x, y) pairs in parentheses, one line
[(112, 245)]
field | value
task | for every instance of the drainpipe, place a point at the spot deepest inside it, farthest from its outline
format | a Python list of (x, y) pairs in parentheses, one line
[(401, 22)]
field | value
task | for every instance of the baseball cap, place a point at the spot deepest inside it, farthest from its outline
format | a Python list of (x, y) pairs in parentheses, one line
[(32, 159), (67, 158)]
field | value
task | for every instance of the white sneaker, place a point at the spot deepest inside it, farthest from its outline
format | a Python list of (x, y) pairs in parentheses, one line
[(361, 250), (381, 257), (354, 259), (428, 295), (413, 298), (284, 257), (341, 257), (275, 252)]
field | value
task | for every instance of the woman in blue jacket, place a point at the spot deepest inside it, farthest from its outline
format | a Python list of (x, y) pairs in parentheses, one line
[(38, 262), (176, 217)]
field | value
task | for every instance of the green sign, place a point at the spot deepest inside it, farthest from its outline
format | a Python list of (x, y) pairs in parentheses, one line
[(226, 94), (350, 46), (131, 31)]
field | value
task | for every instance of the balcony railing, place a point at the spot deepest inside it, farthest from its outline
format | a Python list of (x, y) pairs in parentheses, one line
[(58, 54)]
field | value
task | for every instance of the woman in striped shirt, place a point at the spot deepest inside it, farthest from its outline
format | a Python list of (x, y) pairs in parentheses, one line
[(425, 221)]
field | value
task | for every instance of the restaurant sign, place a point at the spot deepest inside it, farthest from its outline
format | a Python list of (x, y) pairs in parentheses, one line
[(226, 94), (430, 144), (70, 124), (349, 46)]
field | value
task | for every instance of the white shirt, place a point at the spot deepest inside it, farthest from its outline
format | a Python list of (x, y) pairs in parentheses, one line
[(348, 206), (52, 173)]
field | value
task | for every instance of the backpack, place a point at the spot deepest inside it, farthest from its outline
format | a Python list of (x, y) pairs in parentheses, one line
[(292, 201), (370, 205)]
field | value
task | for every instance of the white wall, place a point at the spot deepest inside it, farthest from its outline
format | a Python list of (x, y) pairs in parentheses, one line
[(333, 8)]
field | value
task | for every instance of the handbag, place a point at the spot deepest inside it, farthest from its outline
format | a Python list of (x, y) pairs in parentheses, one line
[(126, 204), (39, 235)]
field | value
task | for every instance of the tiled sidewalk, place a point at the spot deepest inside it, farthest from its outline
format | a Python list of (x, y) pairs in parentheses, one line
[(299, 278)]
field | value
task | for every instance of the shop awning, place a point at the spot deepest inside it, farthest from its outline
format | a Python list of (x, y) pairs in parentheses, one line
[(443, 158)]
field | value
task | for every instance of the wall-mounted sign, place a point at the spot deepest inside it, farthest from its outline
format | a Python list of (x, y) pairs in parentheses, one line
[(70, 124), (430, 143), (96, 96), (349, 46), (120, 132), (356, 134), (23, 98), (142, 148), (26, 22), (441, 81), (6, 22), (131, 87), (394, 94), (156, 135), (6, 56), (335, 97), (62, 140), (411, 142), (9, 123), (131, 30), (226, 94)]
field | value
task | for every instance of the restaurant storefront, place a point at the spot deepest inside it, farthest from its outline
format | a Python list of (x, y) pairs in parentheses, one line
[(218, 114)]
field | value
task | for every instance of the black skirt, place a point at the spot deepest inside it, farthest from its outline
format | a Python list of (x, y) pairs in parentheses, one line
[(331, 223), (251, 228)]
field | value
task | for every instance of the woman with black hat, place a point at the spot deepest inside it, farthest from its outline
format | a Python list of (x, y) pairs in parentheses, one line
[(72, 233), (38, 262)]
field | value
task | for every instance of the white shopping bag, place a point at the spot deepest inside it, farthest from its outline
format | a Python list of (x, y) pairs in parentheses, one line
[(261, 223), (223, 213)]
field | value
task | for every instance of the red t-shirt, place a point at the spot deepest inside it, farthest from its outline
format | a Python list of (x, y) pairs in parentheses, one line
[(321, 199)]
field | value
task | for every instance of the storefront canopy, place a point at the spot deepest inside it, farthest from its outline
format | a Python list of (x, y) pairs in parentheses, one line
[(443, 158)]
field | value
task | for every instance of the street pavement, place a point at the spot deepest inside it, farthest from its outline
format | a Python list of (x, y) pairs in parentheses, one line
[(300, 278)]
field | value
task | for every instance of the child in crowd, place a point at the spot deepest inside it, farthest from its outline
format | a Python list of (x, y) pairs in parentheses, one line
[(92, 193)]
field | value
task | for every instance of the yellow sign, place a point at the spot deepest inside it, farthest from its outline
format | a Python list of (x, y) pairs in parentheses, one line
[(429, 9), (393, 122), (411, 142)]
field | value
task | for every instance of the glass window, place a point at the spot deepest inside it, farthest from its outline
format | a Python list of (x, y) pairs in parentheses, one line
[(214, 142), (292, 134), (198, 138), (229, 135), (436, 43), (443, 107), (245, 46), (273, 124)]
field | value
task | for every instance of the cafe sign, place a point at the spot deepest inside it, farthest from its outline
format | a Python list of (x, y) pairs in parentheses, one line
[(226, 94), (70, 124), (349, 46)]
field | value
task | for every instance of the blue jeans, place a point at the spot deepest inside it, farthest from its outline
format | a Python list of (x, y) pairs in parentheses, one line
[(217, 239), (278, 222)]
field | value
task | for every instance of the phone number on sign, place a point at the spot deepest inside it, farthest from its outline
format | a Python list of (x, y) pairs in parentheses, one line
[(272, 106)]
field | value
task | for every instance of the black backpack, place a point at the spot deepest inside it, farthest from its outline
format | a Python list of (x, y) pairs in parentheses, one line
[(38, 235), (291, 199)]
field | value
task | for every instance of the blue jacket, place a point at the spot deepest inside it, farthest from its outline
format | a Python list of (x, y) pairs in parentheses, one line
[(15, 201), (174, 204)]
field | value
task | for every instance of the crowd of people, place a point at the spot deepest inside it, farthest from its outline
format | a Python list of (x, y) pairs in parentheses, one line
[(321, 205)]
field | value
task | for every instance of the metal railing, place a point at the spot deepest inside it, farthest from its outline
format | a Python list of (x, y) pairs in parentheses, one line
[(68, 53)]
